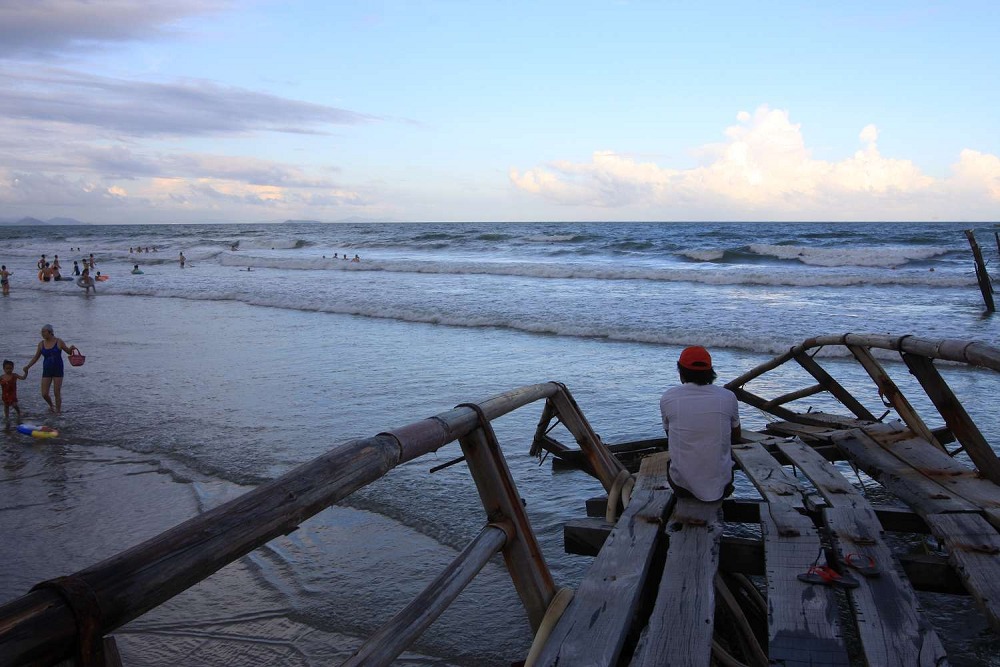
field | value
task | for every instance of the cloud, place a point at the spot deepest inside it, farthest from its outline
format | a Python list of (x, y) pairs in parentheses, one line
[(43, 28), (765, 171), (147, 109)]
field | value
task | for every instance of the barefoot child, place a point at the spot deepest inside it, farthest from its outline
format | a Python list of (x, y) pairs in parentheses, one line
[(9, 383)]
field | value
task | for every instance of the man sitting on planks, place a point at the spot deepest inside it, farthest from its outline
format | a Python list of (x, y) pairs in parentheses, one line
[(702, 422)]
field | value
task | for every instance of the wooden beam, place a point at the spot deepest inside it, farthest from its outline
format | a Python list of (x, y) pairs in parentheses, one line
[(812, 367), (394, 637), (981, 275), (891, 392), (955, 416), (593, 629), (605, 466), (503, 505)]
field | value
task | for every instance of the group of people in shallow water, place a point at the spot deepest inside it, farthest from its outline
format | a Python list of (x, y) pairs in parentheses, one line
[(50, 350)]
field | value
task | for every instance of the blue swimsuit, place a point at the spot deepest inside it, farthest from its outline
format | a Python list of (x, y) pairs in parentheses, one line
[(52, 364)]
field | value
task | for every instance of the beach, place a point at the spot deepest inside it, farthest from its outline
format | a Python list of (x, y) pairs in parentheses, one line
[(203, 382)]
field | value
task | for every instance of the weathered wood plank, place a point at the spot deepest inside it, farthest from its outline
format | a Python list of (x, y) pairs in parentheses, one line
[(683, 618), (892, 629), (594, 626), (834, 488), (771, 480), (916, 490), (955, 416), (949, 473), (803, 624), (974, 550)]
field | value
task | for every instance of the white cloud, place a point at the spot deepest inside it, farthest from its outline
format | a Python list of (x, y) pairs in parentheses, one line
[(765, 171)]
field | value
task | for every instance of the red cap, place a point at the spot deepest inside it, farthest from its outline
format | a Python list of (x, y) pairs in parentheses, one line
[(696, 358)]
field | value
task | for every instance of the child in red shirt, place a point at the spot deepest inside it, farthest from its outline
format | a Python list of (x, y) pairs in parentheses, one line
[(8, 383)]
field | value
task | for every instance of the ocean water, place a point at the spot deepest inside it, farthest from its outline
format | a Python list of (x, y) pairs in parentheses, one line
[(204, 381)]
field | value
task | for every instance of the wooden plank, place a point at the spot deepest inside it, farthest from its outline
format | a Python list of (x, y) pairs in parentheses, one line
[(918, 491), (834, 488), (949, 473), (771, 480), (891, 626), (681, 624), (974, 551), (955, 416), (803, 623), (594, 626)]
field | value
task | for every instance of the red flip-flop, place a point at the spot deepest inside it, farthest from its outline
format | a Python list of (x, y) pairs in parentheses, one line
[(827, 576), (863, 563)]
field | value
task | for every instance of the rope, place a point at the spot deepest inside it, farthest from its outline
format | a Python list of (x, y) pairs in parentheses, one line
[(613, 496), (552, 615)]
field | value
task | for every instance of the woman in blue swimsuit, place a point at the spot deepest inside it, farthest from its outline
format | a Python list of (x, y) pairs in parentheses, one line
[(51, 348)]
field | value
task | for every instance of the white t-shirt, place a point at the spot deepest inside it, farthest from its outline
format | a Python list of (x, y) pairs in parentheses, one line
[(699, 420)]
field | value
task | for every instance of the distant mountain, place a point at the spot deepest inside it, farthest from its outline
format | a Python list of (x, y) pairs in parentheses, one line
[(35, 221)]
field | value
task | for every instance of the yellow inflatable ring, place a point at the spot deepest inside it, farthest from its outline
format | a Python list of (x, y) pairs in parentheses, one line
[(37, 431)]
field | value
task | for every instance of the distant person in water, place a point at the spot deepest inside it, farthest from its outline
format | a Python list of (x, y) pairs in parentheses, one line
[(86, 282), (702, 422), (5, 279), (9, 383), (182, 260), (41, 263), (51, 348), (76, 268), (136, 270), (356, 258)]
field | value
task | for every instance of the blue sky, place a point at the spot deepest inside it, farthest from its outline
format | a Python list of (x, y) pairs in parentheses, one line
[(208, 110)]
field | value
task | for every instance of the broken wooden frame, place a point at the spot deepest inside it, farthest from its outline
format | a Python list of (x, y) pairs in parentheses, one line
[(918, 354), (67, 618)]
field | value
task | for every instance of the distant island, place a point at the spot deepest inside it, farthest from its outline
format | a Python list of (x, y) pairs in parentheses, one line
[(35, 221)]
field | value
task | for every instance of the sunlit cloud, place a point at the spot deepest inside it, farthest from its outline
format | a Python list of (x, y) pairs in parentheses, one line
[(764, 170)]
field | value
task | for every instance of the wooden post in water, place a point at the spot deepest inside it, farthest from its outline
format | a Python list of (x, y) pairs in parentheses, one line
[(981, 275)]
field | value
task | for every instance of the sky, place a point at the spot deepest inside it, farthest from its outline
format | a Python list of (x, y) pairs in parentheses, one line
[(187, 111)]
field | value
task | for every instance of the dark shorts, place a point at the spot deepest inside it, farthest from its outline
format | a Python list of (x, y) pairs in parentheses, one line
[(52, 370), (681, 492)]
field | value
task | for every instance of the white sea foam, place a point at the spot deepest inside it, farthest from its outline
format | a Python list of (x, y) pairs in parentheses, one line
[(880, 256), (729, 275)]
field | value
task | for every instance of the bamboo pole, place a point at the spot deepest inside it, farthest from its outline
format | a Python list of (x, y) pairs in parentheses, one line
[(955, 416), (795, 395), (395, 636), (40, 626), (981, 275)]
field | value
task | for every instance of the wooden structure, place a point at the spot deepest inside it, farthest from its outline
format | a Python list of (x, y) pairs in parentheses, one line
[(668, 584)]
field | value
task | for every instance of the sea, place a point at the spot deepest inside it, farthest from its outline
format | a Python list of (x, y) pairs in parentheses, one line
[(271, 346)]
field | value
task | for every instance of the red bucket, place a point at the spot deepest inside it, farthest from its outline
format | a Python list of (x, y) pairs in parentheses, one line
[(77, 359)]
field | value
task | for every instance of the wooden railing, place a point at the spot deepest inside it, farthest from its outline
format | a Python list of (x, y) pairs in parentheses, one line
[(69, 617), (918, 354)]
